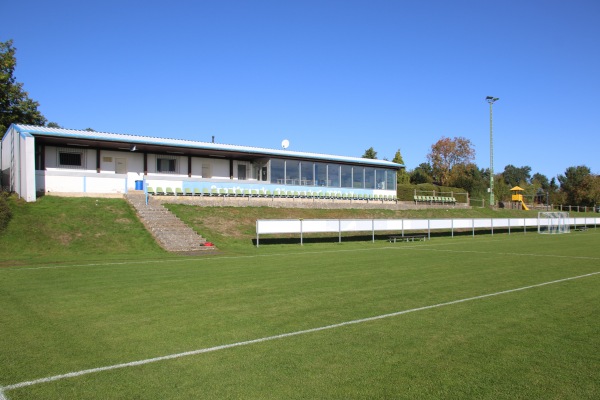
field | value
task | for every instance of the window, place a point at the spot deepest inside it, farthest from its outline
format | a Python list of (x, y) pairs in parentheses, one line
[(369, 178), (320, 174), (358, 177), (166, 165), (277, 171), (241, 172), (333, 175), (292, 172), (69, 158), (391, 179), (307, 171), (380, 181), (347, 176)]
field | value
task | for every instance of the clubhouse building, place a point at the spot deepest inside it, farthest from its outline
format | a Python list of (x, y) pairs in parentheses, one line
[(37, 160)]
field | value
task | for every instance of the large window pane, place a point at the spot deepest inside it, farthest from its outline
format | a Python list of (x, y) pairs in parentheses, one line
[(346, 176), (333, 175), (358, 177), (277, 171), (292, 172), (320, 174), (307, 178), (370, 178), (391, 179), (380, 182)]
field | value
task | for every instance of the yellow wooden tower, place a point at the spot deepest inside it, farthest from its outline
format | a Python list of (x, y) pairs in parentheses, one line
[(517, 197)]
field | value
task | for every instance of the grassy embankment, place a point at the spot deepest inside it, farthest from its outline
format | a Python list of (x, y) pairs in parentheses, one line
[(72, 229)]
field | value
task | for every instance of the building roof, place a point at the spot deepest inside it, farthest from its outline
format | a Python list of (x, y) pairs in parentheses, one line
[(188, 147)]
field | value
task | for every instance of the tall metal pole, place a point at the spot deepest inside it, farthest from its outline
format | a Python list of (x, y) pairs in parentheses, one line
[(491, 100)]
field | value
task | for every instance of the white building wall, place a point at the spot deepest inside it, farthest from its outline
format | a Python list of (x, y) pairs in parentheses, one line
[(27, 167), (220, 169), (81, 182), (5, 162), (134, 163), (18, 163)]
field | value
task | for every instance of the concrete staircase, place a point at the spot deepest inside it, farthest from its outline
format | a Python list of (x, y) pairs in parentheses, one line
[(168, 230)]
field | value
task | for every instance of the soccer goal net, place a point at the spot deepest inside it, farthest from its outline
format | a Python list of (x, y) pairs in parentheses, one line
[(553, 222)]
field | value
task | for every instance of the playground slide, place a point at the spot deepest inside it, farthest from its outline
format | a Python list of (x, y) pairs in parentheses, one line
[(524, 206)]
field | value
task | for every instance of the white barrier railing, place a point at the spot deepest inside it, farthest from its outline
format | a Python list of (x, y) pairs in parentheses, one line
[(302, 226)]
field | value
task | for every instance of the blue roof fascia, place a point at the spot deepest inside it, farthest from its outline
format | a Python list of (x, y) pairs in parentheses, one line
[(89, 135)]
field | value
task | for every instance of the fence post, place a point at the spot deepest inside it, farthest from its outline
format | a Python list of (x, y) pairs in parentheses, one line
[(428, 229), (301, 239), (373, 228), (340, 229), (473, 225)]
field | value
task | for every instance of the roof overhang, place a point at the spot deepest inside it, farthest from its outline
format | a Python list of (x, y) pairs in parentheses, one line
[(121, 142)]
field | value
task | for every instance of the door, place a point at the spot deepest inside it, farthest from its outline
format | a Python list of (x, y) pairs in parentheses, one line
[(121, 165)]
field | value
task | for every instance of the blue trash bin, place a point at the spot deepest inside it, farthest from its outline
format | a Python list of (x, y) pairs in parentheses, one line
[(139, 185)]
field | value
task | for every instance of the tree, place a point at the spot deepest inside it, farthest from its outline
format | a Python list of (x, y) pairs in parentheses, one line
[(593, 184), (470, 178), (15, 104), (541, 180), (370, 153), (514, 176), (446, 153), (422, 174), (574, 185), (401, 176)]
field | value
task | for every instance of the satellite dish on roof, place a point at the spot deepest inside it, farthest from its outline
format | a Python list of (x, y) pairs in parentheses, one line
[(285, 144)]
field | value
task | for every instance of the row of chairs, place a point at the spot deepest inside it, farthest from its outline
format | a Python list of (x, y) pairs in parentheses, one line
[(435, 200), (231, 192)]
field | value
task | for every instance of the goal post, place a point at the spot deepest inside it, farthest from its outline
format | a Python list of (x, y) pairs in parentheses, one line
[(553, 222)]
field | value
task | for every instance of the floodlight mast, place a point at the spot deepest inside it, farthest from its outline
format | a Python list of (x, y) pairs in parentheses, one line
[(491, 100)]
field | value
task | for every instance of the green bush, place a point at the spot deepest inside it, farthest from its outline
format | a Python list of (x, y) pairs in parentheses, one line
[(5, 211)]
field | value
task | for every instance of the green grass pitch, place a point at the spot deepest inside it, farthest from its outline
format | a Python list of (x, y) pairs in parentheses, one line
[(538, 342)]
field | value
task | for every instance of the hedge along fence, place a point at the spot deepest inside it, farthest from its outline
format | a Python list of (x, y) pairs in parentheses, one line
[(406, 192)]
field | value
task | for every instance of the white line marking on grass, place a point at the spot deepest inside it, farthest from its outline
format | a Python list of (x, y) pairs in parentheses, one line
[(510, 254), (269, 338), (420, 246), (175, 260)]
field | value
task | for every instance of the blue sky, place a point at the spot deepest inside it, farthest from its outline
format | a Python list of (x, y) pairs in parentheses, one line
[(332, 77)]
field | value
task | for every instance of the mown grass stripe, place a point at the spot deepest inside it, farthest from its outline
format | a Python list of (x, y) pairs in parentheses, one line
[(420, 246), (270, 338)]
